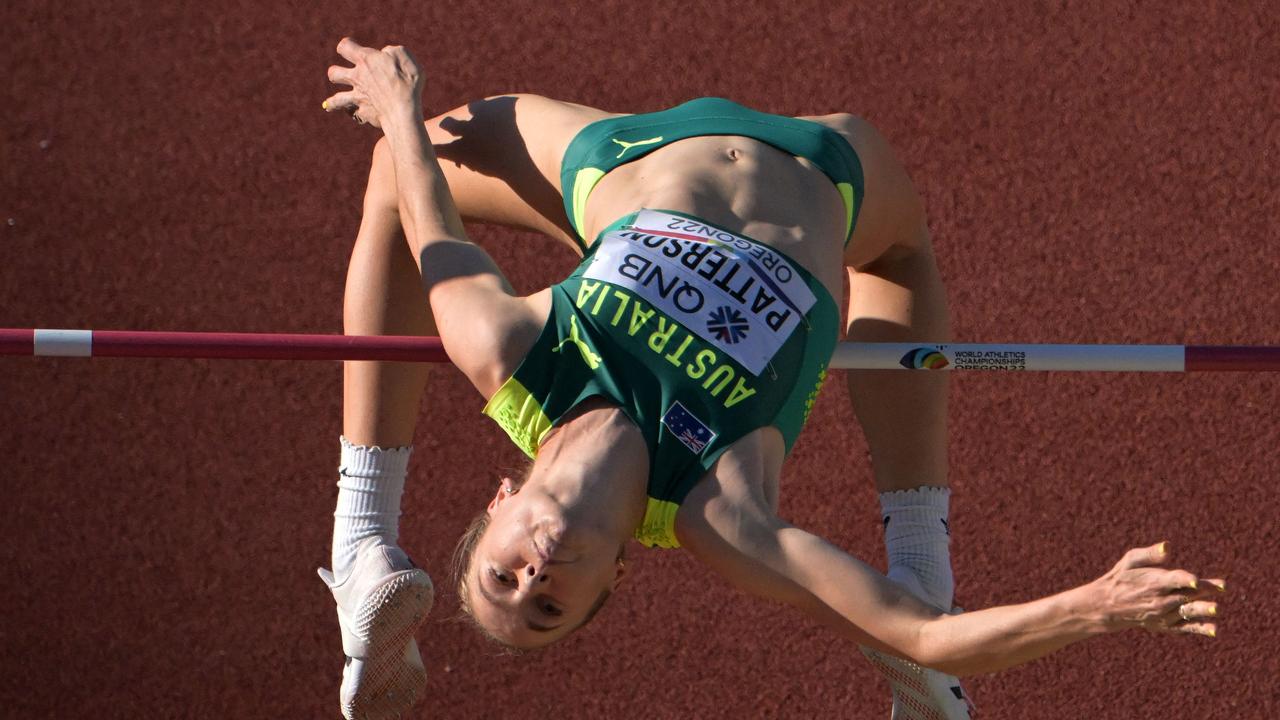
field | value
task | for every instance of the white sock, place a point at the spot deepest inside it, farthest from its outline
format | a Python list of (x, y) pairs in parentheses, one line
[(917, 540), (370, 483)]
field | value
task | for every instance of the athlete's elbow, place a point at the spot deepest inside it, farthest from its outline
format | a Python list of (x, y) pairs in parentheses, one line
[(942, 661), (936, 649), (947, 665)]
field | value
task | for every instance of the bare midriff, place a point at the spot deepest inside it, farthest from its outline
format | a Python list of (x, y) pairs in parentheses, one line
[(746, 186)]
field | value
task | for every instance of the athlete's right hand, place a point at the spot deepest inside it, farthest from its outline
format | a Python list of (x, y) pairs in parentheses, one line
[(385, 84), (1140, 592)]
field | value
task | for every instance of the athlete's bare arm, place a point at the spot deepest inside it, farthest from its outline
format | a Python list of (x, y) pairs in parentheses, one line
[(731, 527)]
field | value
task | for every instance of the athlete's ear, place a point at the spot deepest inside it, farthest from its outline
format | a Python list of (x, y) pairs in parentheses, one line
[(506, 488)]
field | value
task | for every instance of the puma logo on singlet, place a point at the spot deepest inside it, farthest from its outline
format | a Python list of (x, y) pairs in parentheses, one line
[(628, 145), (591, 359)]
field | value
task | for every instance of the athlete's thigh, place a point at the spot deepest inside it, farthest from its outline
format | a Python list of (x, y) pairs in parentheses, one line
[(501, 156), (891, 218)]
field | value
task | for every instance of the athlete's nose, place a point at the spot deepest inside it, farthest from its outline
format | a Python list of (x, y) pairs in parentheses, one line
[(535, 574)]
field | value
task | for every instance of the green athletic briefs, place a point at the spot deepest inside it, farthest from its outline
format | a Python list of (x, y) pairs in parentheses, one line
[(605, 144)]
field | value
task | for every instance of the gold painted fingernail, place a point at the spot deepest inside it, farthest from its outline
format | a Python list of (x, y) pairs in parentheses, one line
[(1213, 610), (1163, 548), (1213, 633), (1194, 585), (325, 105)]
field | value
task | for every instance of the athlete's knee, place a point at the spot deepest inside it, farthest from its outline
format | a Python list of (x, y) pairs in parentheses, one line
[(381, 190), (857, 128), (382, 162)]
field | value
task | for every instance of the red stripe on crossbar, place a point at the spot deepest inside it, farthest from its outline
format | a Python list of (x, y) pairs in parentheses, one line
[(266, 346), (17, 342), (1232, 357)]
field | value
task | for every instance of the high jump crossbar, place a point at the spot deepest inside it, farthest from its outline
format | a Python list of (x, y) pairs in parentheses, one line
[(850, 356)]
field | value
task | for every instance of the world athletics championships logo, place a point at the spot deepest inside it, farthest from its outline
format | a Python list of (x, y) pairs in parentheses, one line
[(728, 325), (924, 359)]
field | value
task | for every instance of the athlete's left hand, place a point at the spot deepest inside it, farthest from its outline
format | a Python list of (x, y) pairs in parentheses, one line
[(385, 84), (1141, 591)]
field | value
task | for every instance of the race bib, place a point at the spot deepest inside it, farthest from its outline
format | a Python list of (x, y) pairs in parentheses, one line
[(737, 294)]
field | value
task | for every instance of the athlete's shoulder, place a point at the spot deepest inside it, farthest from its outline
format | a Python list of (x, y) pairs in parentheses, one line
[(490, 340)]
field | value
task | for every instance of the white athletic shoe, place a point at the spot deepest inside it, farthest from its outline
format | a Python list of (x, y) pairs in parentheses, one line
[(918, 692), (380, 605)]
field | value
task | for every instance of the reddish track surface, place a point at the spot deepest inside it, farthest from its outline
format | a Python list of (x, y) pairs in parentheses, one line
[(1097, 174)]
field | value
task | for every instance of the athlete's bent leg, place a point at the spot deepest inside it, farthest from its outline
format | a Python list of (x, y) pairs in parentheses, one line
[(900, 298), (380, 400), (896, 295), (382, 597), (384, 296)]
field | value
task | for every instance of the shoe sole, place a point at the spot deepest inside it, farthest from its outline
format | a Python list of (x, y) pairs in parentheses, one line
[(386, 620), (912, 699)]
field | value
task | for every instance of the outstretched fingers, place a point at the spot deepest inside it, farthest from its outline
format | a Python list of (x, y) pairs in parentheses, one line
[(351, 50), (382, 83), (1207, 629), (1151, 556), (1143, 591), (1181, 581), (1196, 618), (1193, 610), (1212, 587), (348, 100), (340, 75), (1198, 609)]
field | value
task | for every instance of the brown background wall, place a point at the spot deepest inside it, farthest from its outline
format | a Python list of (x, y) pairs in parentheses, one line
[(1095, 172)]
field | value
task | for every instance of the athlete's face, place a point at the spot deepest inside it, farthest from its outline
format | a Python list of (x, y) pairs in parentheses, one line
[(534, 577)]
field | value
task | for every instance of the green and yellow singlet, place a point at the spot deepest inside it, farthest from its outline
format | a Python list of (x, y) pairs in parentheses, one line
[(699, 335)]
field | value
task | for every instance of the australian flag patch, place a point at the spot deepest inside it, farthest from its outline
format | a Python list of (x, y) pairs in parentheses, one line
[(689, 430)]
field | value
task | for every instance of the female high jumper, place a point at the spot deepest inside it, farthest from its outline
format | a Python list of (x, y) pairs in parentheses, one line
[(660, 386)]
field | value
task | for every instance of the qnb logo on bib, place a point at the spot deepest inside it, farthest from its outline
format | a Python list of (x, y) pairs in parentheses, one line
[(728, 325), (737, 294)]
